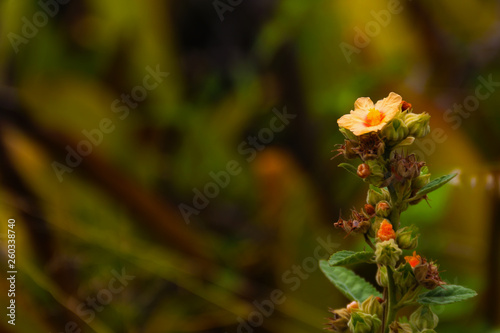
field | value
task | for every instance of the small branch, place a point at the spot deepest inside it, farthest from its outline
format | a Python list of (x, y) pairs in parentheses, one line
[(369, 242)]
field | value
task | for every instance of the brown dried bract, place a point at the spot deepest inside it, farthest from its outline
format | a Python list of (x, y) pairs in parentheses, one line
[(427, 274), (405, 167), (370, 146), (346, 149), (338, 322), (358, 223)]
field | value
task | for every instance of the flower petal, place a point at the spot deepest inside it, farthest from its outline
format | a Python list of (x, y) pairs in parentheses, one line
[(389, 105), (354, 121), (364, 103)]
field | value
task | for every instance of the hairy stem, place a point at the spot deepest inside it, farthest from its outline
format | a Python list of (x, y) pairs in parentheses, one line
[(396, 208), (386, 307), (391, 300)]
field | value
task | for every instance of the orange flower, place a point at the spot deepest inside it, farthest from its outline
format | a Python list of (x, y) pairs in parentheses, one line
[(385, 232), (413, 260), (368, 117)]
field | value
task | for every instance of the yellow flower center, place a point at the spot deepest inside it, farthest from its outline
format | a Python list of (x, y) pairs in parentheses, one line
[(374, 117)]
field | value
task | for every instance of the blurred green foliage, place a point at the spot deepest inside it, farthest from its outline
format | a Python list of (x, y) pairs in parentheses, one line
[(118, 209)]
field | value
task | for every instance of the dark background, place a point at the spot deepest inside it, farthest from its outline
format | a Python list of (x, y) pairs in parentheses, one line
[(117, 208)]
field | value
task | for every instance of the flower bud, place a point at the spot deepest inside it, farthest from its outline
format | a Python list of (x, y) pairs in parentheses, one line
[(374, 196), (410, 119), (381, 276), (403, 189), (397, 327), (385, 231), (406, 106), (348, 134), (395, 131), (352, 306), (423, 318), (418, 124), (369, 209), (363, 170), (377, 173), (387, 253), (420, 181), (405, 280), (372, 306), (406, 238), (364, 323), (338, 322), (383, 208)]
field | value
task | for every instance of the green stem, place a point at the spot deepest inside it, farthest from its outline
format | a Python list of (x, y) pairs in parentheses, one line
[(396, 208), (369, 242), (386, 307), (391, 300)]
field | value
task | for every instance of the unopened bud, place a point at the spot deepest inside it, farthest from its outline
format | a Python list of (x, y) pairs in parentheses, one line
[(383, 208), (381, 276), (423, 318), (397, 327), (372, 306), (376, 195), (420, 181), (377, 173), (361, 322), (395, 131), (405, 280), (387, 253), (407, 237), (418, 124), (352, 306), (363, 170), (369, 209)]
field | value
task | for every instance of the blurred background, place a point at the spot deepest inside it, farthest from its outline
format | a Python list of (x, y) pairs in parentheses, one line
[(168, 162)]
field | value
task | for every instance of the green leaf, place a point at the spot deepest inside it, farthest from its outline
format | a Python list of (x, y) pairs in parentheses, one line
[(349, 167), (376, 189), (433, 185), (343, 258), (406, 142), (352, 286), (446, 294)]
